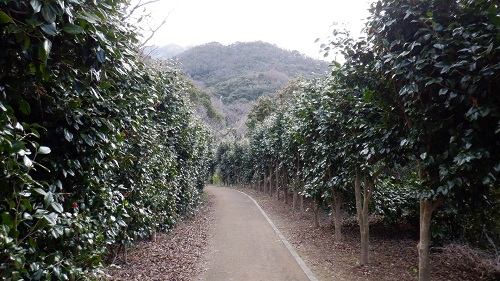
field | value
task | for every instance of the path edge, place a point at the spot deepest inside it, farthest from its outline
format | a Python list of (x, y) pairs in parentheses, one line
[(287, 244)]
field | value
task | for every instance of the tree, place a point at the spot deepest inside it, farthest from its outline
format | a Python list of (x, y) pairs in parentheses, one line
[(440, 60)]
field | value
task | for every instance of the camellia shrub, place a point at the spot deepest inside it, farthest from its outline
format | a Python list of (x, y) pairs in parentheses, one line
[(96, 148)]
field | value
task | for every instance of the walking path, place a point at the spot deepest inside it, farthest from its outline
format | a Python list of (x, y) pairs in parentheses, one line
[(245, 244)]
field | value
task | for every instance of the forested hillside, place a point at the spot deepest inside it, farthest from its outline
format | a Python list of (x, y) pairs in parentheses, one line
[(242, 72)]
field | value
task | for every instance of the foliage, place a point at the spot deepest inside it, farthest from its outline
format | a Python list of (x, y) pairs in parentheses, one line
[(443, 61), (263, 108), (96, 148), (242, 72), (417, 98)]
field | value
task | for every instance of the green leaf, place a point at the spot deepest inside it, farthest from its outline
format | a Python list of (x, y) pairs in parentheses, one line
[(24, 106), (43, 150), (2, 107), (439, 46), (48, 14), (72, 29), (443, 91), (36, 5), (49, 29), (91, 18), (87, 139), (101, 55), (57, 207), (26, 43), (27, 162), (51, 218), (4, 18), (48, 199), (39, 191), (6, 218), (44, 50), (68, 135)]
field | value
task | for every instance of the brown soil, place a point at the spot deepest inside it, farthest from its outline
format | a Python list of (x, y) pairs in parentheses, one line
[(178, 255)]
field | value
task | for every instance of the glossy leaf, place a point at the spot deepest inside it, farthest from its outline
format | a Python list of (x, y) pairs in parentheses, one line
[(48, 13), (36, 5), (44, 49), (4, 18), (49, 29), (73, 29), (43, 150)]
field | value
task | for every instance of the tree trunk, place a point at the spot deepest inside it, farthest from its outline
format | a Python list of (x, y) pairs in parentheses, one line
[(265, 182), (426, 210), (270, 181), (302, 204), (294, 200), (362, 201), (277, 181), (285, 188), (337, 209), (424, 260), (316, 212)]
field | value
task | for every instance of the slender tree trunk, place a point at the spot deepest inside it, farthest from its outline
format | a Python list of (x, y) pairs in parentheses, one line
[(302, 204), (426, 210), (277, 181), (316, 212), (424, 260), (294, 200), (285, 188), (337, 213), (362, 201), (271, 181), (266, 182)]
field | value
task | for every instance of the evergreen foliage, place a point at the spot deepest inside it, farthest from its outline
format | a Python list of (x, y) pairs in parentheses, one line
[(242, 72), (410, 119), (96, 148)]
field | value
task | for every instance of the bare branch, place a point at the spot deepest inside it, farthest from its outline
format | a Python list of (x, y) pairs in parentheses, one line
[(153, 31), (140, 4)]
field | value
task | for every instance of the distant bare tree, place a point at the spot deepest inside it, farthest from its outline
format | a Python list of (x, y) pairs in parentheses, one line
[(152, 30)]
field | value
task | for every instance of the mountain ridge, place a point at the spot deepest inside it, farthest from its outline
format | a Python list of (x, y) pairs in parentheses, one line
[(244, 71)]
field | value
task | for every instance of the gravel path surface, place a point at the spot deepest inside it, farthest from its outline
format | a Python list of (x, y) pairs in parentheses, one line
[(244, 244)]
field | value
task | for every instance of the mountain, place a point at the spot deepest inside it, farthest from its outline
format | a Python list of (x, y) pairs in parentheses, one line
[(165, 52), (241, 72)]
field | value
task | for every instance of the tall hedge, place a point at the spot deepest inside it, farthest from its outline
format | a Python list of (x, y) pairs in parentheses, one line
[(96, 148)]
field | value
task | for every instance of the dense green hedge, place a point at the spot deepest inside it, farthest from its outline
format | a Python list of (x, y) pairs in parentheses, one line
[(96, 148)]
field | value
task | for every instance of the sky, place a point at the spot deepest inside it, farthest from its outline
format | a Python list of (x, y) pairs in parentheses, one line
[(291, 25)]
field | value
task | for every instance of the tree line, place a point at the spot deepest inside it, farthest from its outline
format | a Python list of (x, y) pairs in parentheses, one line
[(97, 148), (407, 125)]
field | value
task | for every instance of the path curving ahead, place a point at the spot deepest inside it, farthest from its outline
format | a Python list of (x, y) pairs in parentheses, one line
[(245, 245)]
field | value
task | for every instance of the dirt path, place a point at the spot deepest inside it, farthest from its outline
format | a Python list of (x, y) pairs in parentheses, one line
[(244, 245)]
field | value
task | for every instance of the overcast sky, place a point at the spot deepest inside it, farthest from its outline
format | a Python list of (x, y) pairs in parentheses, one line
[(292, 25)]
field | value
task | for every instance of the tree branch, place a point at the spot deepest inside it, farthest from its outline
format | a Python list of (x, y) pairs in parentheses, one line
[(140, 5), (153, 31)]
